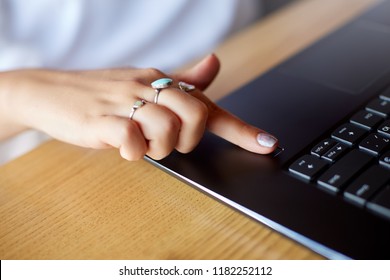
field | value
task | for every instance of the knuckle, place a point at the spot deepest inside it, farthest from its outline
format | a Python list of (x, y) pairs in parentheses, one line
[(128, 137), (185, 149), (131, 154), (153, 72), (170, 126), (158, 156), (198, 113), (160, 152), (166, 137), (126, 132)]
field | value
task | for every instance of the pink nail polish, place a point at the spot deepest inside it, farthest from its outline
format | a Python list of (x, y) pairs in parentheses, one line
[(266, 140)]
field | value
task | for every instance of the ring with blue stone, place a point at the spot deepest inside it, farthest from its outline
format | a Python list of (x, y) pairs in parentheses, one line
[(137, 104), (160, 84)]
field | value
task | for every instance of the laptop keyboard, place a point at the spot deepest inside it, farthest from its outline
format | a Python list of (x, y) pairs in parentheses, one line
[(354, 161)]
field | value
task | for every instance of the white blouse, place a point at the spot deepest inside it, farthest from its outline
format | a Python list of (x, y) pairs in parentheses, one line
[(82, 34)]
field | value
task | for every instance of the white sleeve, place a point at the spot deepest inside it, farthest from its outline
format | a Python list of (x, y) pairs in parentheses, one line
[(76, 34)]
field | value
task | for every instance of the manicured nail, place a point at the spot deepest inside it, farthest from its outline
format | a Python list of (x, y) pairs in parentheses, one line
[(266, 140)]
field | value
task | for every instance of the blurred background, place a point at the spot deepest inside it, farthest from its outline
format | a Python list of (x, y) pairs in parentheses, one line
[(272, 5)]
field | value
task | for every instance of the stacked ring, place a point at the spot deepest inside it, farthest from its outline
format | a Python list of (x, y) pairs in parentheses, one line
[(186, 87), (160, 84), (137, 104)]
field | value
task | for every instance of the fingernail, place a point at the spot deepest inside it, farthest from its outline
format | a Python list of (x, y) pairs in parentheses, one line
[(266, 140)]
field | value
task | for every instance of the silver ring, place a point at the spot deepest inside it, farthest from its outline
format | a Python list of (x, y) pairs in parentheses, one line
[(137, 104), (186, 87), (160, 84), (157, 94)]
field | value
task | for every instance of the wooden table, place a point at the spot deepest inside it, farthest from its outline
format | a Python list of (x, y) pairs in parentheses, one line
[(65, 202)]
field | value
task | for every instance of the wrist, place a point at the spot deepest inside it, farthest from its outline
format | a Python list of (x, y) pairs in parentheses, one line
[(8, 124)]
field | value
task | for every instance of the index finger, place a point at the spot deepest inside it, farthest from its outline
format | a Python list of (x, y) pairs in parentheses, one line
[(235, 130)]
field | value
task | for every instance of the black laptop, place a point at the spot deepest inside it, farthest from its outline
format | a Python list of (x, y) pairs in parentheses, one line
[(329, 189)]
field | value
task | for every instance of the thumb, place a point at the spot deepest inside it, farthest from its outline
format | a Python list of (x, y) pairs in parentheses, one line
[(201, 74)]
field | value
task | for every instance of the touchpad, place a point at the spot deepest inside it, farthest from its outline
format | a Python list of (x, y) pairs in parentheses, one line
[(350, 59)]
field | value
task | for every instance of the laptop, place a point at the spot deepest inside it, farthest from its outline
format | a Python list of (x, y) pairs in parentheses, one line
[(329, 105)]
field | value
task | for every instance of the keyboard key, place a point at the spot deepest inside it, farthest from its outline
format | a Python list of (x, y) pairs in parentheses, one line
[(348, 133), (323, 147), (385, 160), (307, 166), (374, 144), (386, 94), (366, 119), (381, 203), (334, 153), (367, 184), (338, 175), (384, 128), (379, 106)]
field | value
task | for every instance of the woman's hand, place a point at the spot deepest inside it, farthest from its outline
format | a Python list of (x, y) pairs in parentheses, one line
[(93, 108)]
